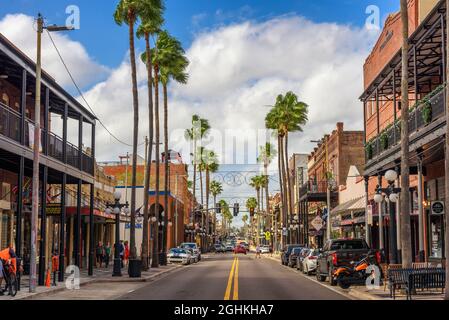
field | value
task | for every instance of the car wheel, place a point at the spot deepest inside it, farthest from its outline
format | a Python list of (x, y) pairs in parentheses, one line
[(331, 277), (319, 277)]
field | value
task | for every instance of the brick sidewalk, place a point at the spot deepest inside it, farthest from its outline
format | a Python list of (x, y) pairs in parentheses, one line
[(100, 276)]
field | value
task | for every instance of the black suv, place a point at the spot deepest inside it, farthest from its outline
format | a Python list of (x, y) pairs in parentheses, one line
[(293, 257), (287, 251)]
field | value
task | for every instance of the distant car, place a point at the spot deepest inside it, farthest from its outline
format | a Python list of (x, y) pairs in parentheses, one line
[(309, 262), (300, 258), (265, 249), (239, 249), (287, 251), (219, 248), (293, 257), (193, 246), (229, 248), (194, 255), (178, 255), (245, 245)]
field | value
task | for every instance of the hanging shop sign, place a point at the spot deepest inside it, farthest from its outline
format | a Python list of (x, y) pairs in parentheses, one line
[(369, 217), (317, 223), (437, 207), (53, 209)]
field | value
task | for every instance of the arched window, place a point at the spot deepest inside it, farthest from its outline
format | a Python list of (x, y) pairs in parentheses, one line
[(5, 99)]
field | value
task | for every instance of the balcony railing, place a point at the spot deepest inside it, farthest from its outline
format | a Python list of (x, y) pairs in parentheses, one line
[(313, 187), (10, 127), (421, 116)]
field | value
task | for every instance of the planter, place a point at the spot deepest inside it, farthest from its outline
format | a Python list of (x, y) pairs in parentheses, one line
[(135, 268)]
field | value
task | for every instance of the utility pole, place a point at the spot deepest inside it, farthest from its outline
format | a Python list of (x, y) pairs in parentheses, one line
[(328, 192)]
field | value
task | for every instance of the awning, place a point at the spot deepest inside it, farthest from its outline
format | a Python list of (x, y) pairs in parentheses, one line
[(354, 205)]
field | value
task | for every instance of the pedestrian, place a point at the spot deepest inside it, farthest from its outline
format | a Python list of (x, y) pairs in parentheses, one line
[(126, 254), (122, 253), (258, 252), (99, 252), (107, 254)]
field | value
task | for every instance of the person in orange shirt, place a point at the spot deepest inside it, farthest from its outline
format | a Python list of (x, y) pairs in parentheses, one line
[(7, 256)]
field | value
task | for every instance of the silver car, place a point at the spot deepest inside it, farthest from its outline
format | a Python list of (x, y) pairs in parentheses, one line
[(178, 255), (310, 261), (193, 247)]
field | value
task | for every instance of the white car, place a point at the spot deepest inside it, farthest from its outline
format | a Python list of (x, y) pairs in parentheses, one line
[(264, 249), (178, 255), (192, 245), (309, 262)]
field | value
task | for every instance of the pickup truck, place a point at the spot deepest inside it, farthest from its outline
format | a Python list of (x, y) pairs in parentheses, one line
[(337, 253)]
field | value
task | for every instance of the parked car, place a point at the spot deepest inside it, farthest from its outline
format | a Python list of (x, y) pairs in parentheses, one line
[(229, 248), (299, 259), (337, 253), (194, 247), (194, 255), (245, 245), (293, 257), (287, 251), (265, 249), (218, 248), (178, 255), (309, 261), (239, 249)]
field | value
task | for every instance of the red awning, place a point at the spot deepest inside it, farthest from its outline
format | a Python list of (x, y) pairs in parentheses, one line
[(85, 211)]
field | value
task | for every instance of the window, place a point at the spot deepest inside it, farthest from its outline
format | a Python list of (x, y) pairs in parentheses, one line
[(5, 99)]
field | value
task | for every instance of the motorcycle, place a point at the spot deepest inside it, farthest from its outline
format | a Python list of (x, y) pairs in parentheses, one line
[(358, 272)]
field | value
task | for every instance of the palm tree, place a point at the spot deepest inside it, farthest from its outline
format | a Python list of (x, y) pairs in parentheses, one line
[(216, 188), (251, 205), (405, 177), (170, 57), (287, 115), (127, 12), (266, 156), (226, 216), (152, 20), (199, 130), (446, 296)]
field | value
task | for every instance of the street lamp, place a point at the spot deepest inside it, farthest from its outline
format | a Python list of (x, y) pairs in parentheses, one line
[(36, 148), (116, 209), (392, 196)]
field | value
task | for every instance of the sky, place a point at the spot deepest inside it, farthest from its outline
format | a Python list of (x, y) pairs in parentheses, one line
[(242, 54)]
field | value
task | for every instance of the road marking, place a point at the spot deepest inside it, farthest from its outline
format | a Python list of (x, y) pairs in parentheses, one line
[(236, 281), (231, 275)]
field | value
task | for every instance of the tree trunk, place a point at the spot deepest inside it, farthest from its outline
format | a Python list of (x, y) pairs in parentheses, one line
[(446, 236), (267, 200), (283, 188), (202, 211), (405, 178), (155, 260), (149, 156), (166, 168), (289, 185), (132, 240), (207, 207)]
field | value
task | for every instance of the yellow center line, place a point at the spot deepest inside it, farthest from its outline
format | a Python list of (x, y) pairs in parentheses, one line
[(236, 281), (231, 275)]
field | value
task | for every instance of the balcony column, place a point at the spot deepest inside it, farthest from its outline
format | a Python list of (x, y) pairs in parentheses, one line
[(46, 128), (77, 237), (378, 121), (91, 231), (62, 229), (80, 143), (19, 210), (93, 149), (394, 107), (415, 80), (367, 226), (64, 133), (421, 252), (43, 242), (23, 98), (381, 218)]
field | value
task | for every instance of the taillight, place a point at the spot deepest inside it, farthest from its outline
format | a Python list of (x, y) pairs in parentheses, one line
[(378, 257), (312, 258), (334, 259)]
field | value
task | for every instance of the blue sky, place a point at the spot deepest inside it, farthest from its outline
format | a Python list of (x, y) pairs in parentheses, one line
[(106, 42)]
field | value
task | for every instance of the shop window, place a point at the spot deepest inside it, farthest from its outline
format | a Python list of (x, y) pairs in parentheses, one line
[(5, 99), (436, 236)]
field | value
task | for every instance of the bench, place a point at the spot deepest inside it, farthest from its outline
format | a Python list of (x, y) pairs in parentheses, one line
[(397, 279), (425, 279)]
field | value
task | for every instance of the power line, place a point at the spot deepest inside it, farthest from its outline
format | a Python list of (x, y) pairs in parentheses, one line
[(82, 96)]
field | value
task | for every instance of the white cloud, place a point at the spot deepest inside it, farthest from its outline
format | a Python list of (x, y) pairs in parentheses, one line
[(21, 30)]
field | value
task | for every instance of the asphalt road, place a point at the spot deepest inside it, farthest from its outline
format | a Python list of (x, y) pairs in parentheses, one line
[(229, 277)]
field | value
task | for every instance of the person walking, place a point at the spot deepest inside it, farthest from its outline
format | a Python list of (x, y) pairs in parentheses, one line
[(122, 253), (107, 254), (126, 254), (258, 252), (99, 252)]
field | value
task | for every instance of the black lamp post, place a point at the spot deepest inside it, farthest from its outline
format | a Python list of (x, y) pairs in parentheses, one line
[(117, 209), (392, 194)]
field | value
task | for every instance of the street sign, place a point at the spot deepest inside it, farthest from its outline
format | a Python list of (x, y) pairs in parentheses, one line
[(437, 207), (267, 235), (317, 223)]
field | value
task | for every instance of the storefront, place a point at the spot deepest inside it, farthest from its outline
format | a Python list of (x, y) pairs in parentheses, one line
[(435, 218)]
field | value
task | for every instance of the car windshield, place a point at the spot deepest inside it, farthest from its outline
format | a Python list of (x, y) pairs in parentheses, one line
[(296, 250), (189, 245), (314, 253), (177, 250), (347, 245), (305, 252), (289, 249)]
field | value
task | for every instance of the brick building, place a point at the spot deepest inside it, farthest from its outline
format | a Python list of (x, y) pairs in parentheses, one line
[(340, 149), (382, 112)]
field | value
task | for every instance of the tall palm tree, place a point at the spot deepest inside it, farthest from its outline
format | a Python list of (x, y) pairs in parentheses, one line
[(151, 23), (446, 295), (211, 166), (128, 12), (251, 205), (287, 115), (170, 57), (405, 177), (266, 156), (216, 188)]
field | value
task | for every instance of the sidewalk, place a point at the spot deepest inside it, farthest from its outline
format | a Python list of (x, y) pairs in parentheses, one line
[(363, 293), (102, 275)]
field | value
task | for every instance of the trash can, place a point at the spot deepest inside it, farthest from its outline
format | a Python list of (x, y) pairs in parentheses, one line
[(135, 268)]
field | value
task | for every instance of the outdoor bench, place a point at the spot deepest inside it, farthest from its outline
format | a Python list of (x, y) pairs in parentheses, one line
[(425, 279)]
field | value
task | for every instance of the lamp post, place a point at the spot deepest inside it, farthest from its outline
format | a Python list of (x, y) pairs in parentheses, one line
[(117, 208), (36, 148), (392, 196)]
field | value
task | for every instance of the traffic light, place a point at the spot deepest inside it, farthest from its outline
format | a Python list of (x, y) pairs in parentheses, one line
[(236, 209), (218, 209)]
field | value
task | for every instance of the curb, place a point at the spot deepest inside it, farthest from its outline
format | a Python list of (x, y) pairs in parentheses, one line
[(100, 280)]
